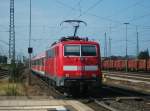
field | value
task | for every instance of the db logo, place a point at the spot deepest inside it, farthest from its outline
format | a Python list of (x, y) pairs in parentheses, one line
[(81, 68)]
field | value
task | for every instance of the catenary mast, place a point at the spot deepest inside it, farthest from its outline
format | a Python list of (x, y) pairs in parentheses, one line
[(12, 33)]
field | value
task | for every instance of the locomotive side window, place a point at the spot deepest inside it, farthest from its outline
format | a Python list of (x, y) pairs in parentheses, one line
[(88, 50), (72, 50)]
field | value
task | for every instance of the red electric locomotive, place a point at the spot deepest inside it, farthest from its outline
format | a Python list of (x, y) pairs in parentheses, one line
[(71, 61)]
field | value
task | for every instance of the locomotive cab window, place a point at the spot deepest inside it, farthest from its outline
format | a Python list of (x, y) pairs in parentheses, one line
[(72, 50), (88, 50)]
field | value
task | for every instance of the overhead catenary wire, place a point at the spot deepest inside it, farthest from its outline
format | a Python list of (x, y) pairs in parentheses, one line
[(91, 7), (65, 5), (79, 5), (126, 8), (97, 16), (100, 17), (140, 17), (144, 6)]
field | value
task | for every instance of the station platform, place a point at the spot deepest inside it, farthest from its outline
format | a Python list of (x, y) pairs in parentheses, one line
[(42, 105)]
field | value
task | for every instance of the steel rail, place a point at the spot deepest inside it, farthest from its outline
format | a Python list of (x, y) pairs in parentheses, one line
[(4, 74), (106, 105), (101, 103), (134, 77), (128, 73)]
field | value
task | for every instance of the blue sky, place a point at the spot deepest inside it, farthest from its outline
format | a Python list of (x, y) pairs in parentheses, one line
[(100, 15)]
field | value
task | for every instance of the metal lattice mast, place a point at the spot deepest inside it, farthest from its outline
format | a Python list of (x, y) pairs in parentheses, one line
[(137, 42), (105, 47), (12, 33)]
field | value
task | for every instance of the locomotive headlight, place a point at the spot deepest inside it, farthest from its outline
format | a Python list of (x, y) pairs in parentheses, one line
[(94, 75), (67, 75)]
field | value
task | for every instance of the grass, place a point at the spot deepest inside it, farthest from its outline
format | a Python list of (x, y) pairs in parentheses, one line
[(11, 89)]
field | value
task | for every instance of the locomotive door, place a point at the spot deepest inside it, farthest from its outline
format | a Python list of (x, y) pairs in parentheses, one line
[(82, 63), (56, 60)]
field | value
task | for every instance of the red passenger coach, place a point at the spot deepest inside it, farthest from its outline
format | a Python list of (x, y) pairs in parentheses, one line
[(38, 63), (71, 61)]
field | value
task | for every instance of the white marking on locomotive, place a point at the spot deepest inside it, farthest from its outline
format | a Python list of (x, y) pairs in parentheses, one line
[(70, 68), (91, 68), (75, 68)]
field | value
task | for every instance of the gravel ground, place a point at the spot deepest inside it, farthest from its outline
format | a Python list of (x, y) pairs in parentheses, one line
[(40, 88)]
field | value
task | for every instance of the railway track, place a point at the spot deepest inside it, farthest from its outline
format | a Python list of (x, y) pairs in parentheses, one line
[(106, 99), (124, 103), (141, 74), (113, 99), (139, 82), (133, 76), (4, 73)]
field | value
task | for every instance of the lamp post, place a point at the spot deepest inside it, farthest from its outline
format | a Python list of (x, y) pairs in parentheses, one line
[(126, 24)]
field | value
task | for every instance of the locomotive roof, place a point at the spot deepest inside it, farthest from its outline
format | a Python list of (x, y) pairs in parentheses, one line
[(79, 42), (73, 40)]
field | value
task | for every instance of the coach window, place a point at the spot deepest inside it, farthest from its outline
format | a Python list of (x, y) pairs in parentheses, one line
[(72, 50), (88, 50), (42, 61), (49, 53), (53, 53), (38, 62)]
